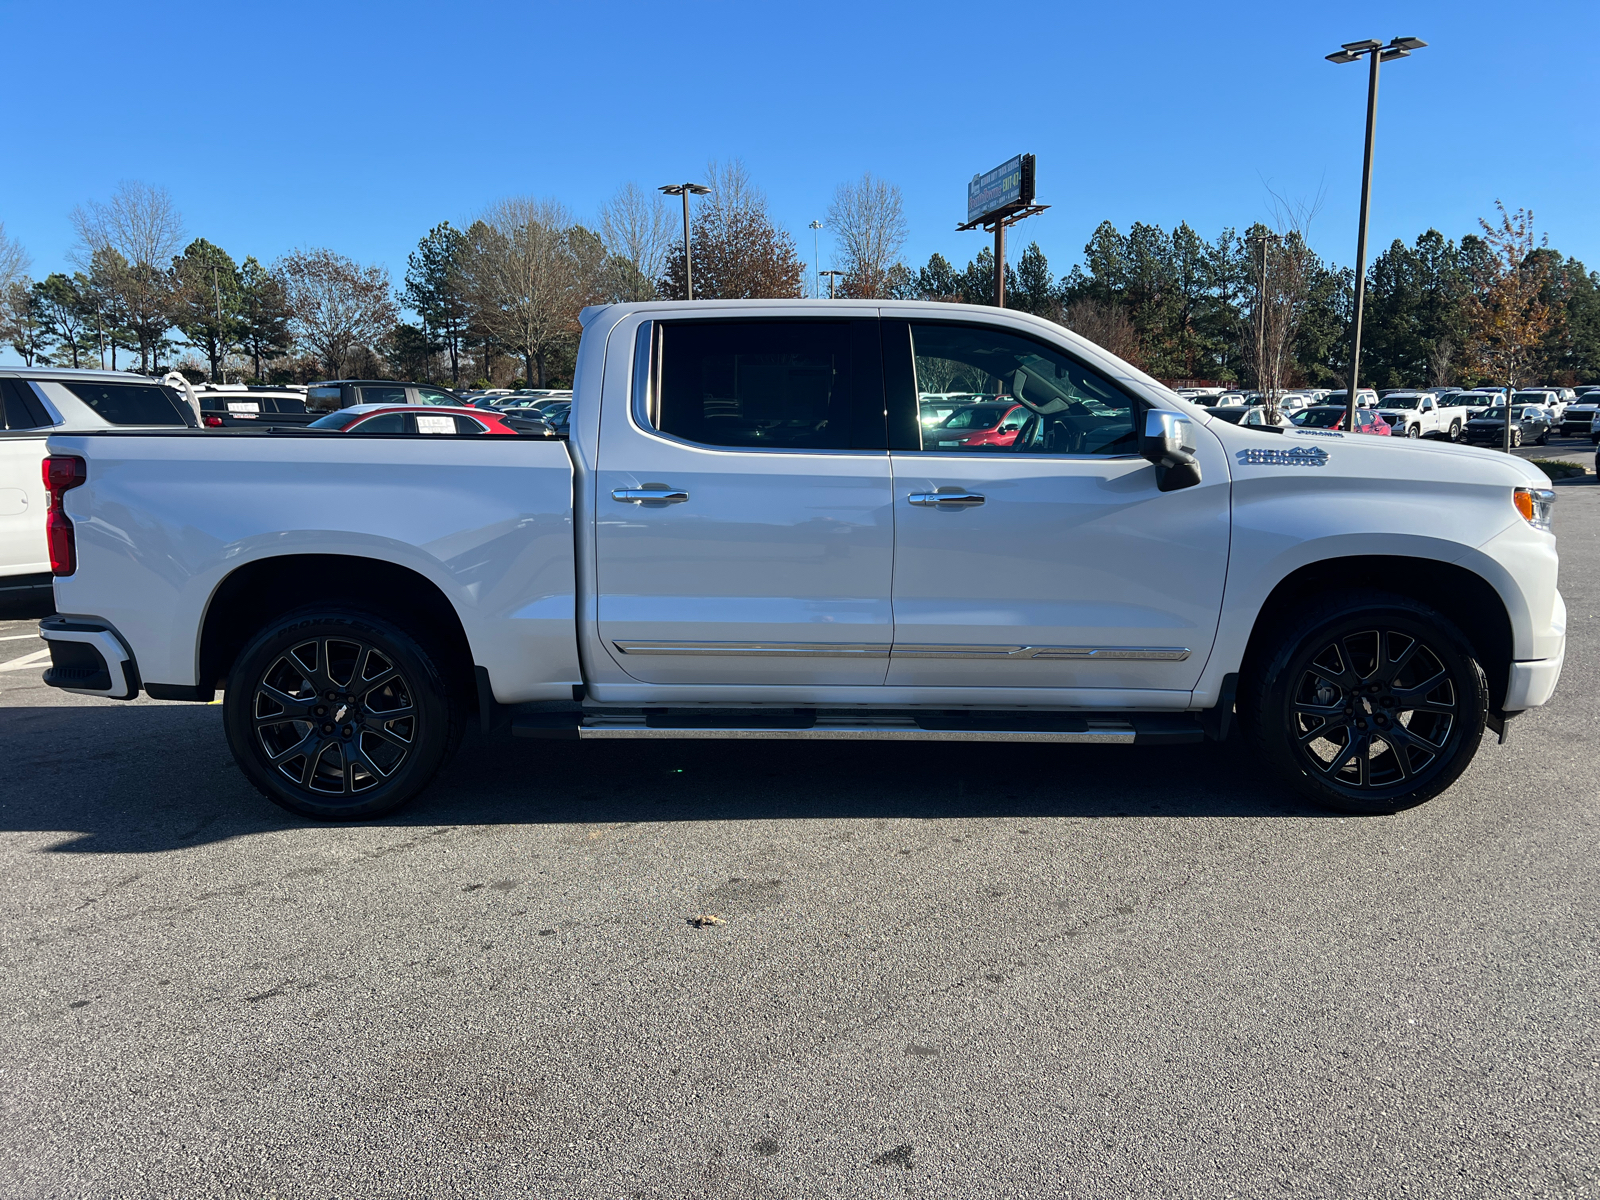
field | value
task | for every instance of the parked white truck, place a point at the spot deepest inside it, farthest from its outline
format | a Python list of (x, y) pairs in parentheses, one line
[(1418, 414), (747, 536)]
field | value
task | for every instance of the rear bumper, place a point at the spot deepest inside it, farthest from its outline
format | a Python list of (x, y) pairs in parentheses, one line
[(1533, 683), (89, 658)]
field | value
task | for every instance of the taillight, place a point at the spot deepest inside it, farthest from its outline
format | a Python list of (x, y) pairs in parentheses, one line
[(213, 422), (62, 473)]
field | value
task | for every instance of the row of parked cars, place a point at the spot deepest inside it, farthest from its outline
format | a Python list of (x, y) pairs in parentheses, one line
[(1454, 414)]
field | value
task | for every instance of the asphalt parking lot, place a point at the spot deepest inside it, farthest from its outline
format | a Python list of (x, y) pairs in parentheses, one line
[(944, 970)]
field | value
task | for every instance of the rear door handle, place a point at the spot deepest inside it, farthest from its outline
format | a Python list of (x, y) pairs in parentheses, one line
[(658, 493), (945, 499)]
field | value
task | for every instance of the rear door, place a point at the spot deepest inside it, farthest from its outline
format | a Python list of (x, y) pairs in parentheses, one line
[(1054, 561), (744, 528)]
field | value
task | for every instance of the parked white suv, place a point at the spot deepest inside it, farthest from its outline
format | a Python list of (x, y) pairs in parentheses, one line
[(36, 402)]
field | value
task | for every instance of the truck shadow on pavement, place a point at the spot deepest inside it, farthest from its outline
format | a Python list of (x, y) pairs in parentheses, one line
[(148, 778)]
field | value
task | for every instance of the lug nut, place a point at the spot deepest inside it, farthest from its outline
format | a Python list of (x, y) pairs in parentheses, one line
[(327, 729)]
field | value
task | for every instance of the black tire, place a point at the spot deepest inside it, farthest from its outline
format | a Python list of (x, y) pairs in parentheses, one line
[(338, 714), (1325, 710), (1543, 439), (1413, 431), (1455, 431), (1516, 437)]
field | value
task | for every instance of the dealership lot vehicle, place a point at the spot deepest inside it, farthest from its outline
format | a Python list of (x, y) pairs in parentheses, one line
[(750, 535), (1328, 417), (1528, 424), (1579, 417), (1417, 414), (226, 406), (36, 401), (1365, 398), (330, 394), (426, 419), (1475, 403)]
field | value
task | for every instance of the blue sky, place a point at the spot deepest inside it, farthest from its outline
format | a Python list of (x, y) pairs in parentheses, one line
[(359, 126)]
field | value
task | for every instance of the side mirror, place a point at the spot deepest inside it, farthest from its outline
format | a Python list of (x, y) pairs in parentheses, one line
[(1168, 442)]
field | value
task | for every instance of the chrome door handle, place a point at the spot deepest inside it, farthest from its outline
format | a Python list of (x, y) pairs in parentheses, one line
[(662, 495), (945, 499)]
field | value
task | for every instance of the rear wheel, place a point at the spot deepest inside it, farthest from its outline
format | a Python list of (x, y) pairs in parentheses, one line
[(339, 715), (1370, 704), (1516, 436), (1455, 431)]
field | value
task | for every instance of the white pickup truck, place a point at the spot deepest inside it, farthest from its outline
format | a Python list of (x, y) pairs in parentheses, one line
[(1418, 414), (746, 536)]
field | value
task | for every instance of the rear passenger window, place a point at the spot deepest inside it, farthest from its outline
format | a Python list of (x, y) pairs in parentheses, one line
[(20, 408), (383, 395), (468, 425), (132, 403), (287, 404), (770, 385), (383, 423)]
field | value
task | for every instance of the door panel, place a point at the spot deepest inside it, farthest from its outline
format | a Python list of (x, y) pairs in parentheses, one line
[(1073, 572), (767, 557)]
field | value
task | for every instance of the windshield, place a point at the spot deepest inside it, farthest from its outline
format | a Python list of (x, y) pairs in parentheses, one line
[(1494, 414), (1320, 418), (1531, 398), (1402, 401)]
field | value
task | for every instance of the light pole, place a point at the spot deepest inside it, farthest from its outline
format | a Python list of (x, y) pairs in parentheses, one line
[(816, 259), (686, 190), (832, 275), (1377, 53)]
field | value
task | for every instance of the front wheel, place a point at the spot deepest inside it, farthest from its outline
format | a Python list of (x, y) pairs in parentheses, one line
[(1413, 431), (339, 715), (1369, 703)]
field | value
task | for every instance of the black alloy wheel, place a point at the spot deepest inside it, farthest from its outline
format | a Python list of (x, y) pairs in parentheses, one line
[(338, 715), (1371, 704)]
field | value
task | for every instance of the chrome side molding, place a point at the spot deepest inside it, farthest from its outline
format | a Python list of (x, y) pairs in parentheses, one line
[(909, 650), (766, 649)]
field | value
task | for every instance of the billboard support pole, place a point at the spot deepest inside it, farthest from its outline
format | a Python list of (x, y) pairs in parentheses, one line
[(999, 264)]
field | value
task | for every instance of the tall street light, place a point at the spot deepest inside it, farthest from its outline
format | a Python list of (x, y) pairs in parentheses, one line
[(832, 275), (816, 259), (1376, 52), (686, 190)]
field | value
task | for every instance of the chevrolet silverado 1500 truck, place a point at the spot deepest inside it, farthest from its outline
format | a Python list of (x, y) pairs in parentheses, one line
[(748, 533)]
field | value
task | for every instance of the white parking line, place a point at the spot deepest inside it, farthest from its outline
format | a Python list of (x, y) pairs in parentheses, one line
[(18, 637), (28, 660)]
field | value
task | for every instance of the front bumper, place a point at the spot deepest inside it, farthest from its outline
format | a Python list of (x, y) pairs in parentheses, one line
[(1532, 683)]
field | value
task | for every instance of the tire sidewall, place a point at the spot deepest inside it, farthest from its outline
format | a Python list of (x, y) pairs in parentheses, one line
[(1272, 723), (431, 741)]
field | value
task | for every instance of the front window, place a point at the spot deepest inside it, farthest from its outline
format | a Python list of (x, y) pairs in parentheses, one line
[(1319, 419), (427, 395), (1053, 404)]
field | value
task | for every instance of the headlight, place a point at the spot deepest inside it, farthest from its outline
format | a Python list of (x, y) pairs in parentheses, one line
[(1535, 505)]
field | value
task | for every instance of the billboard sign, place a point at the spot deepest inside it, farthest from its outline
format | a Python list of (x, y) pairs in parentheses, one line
[(1008, 186)]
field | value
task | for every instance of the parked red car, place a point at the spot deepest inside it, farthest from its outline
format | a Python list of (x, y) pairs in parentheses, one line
[(424, 418), (995, 424), (1331, 416)]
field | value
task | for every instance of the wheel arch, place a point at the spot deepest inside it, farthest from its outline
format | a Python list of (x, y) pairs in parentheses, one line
[(264, 589), (1468, 599)]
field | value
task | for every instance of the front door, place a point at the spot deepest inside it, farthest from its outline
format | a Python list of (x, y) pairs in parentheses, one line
[(744, 519), (1046, 559)]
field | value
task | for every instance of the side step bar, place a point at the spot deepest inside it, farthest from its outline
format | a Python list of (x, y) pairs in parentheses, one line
[(1125, 729)]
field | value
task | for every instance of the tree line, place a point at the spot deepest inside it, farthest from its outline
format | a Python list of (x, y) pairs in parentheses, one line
[(497, 301)]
